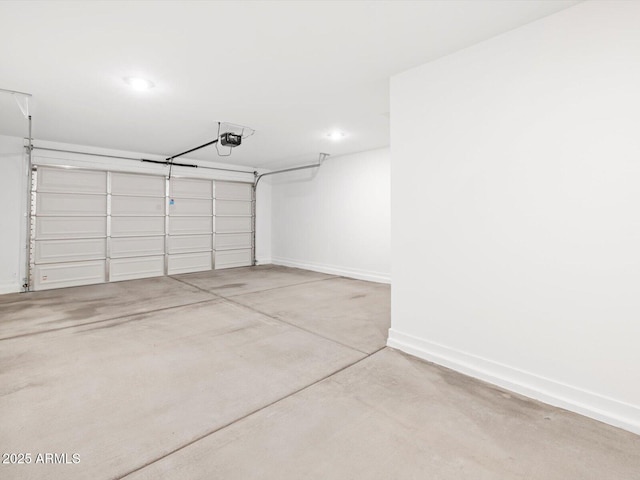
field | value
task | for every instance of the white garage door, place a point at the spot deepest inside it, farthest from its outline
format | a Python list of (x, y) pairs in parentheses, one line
[(92, 226), (69, 228), (234, 224), (190, 240), (137, 226)]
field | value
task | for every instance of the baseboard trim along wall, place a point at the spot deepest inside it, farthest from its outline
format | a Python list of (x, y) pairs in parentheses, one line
[(334, 270), (589, 404)]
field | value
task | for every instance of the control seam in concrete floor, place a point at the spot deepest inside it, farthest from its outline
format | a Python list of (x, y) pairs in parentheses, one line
[(333, 277), (182, 447), (235, 302), (349, 357), (217, 298), (257, 291)]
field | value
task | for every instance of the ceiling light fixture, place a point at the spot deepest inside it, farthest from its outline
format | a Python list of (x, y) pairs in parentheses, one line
[(336, 135), (139, 84)]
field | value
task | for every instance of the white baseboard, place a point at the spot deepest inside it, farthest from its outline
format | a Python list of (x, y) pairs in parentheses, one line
[(334, 270), (263, 261), (589, 404)]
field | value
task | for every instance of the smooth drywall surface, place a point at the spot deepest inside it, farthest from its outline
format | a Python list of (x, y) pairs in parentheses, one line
[(335, 219), (263, 222), (12, 214), (13, 181), (515, 213)]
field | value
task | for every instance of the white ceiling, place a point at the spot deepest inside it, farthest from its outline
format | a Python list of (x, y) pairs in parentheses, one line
[(293, 71)]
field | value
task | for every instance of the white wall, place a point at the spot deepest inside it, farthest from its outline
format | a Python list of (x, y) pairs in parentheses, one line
[(12, 213), (516, 210), (263, 222), (335, 219), (13, 195)]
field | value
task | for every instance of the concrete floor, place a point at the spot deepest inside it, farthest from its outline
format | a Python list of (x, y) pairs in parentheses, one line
[(264, 373)]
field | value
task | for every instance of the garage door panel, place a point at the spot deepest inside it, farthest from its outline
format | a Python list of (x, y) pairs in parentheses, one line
[(140, 206), (232, 241), (70, 204), (191, 188), (189, 244), (136, 246), (139, 267), (233, 191), (190, 225), (190, 206), (137, 226), (137, 185), (70, 227), (233, 224), (71, 181), (233, 258), (232, 207), (58, 275), (189, 262), (51, 251)]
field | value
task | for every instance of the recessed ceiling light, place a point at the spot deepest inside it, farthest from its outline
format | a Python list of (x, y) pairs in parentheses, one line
[(336, 135), (138, 83)]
